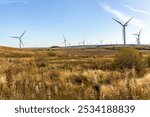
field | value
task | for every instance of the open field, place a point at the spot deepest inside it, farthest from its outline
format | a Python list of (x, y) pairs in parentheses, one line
[(72, 73)]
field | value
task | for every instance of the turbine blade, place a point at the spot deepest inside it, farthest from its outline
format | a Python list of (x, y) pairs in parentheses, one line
[(135, 34), (128, 21), (22, 34), (64, 39), (140, 32), (117, 21), (136, 37), (21, 42), (15, 37)]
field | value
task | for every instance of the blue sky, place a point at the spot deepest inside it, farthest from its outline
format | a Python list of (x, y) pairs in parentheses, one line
[(46, 21)]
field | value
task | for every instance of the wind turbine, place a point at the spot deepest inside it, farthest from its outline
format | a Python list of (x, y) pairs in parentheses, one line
[(83, 42), (65, 41), (101, 42), (124, 28), (20, 39), (137, 36)]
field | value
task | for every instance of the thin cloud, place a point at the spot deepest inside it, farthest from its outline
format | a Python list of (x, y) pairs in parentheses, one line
[(122, 16), (136, 10), (9, 2)]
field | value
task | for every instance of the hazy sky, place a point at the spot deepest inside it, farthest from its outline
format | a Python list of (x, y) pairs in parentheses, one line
[(47, 20)]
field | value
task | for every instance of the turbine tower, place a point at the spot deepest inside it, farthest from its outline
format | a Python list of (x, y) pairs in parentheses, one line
[(20, 39), (137, 36), (124, 28), (65, 41)]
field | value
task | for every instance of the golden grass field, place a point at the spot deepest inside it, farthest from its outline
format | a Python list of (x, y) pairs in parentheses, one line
[(73, 74)]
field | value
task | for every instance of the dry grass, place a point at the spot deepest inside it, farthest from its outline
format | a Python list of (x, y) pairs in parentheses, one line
[(46, 74)]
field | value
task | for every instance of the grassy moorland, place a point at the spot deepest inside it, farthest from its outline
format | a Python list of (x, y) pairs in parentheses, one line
[(74, 73)]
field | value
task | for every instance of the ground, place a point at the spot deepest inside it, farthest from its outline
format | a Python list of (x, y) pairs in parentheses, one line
[(69, 73)]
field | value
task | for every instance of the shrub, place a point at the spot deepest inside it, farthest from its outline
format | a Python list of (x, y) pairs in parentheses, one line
[(129, 58)]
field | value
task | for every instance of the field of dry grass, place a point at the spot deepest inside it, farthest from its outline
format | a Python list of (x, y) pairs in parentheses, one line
[(71, 73)]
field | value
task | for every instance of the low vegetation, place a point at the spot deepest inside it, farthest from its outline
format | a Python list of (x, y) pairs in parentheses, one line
[(128, 58), (80, 74)]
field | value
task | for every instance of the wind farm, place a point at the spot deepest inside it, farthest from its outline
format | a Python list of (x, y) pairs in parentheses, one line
[(74, 51)]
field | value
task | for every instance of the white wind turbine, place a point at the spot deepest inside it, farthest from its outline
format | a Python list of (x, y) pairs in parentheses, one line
[(83, 42), (137, 36), (20, 39), (124, 28), (101, 41), (65, 41)]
